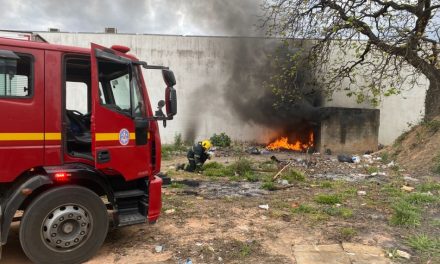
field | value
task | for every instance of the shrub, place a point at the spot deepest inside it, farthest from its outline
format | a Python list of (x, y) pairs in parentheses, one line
[(425, 244), (405, 214), (293, 175), (327, 199), (270, 186), (241, 166), (221, 140)]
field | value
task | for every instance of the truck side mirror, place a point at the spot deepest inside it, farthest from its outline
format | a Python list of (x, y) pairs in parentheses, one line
[(168, 77), (171, 101)]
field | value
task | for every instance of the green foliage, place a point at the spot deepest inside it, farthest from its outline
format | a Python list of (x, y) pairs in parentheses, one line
[(429, 187), (270, 166), (405, 214), (425, 244), (169, 150), (304, 208), (241, 166), (420, 198), (385, 156), (339, 211), (436, 167), (177, 185), (327, 199), (326, 184), (270, 186), (347, 233), (221, 140), (432, 125), (370, 169), (293, 175)]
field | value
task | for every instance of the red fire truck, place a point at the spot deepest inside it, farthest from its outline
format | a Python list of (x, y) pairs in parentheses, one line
[(79, 145)]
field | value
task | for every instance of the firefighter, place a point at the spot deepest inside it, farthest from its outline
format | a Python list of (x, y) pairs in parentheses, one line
[(197, 155)]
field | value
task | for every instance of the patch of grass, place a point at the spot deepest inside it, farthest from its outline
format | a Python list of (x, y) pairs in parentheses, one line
[(436, 167), (326, 184), (420, 198), (385, 156), (432, 125), (339, 211), (328, 199), (425, 244), (429, 187), (304, 209), (177, 185), (293, 175), (435, 222), (241, 166), (268, 166), (392, 191), (405, 214), (270, 186), (347, 233), (370, 169), (212, 165), (251, 177)]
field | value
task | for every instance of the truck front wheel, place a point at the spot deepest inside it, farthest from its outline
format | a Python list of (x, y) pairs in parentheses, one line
[(64, 225)]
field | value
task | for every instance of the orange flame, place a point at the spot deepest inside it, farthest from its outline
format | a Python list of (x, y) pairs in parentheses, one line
[(283, 143)]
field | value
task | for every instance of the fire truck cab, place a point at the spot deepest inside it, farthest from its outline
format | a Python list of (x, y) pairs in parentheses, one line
[(79, 142)]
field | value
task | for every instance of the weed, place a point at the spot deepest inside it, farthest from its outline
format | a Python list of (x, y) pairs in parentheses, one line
[(251, 177), (392, 191), (432, 125), (304, 209), (241, 166), (435, 222), (293, 175), (270, 186), (221, 140), (436, 167), (385, 156), (425, 244), (347, 233), (420, 198), (429, 187), (268, 166), (371, 170), (212, 165), (326, 184), (327, 199), (339, 211), (405, 214), (177, 185)]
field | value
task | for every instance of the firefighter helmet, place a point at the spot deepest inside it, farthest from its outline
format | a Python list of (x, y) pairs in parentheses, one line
[(206, 144)]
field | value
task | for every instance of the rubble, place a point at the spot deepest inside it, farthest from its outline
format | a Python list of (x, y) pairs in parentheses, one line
[(403, 254), (264, 206), (361, 193), (158, 249)]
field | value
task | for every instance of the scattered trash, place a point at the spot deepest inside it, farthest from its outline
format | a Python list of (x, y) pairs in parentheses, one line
[(391, 164), (158, 249), (284, 182), (361, 193), (403, 254), (338, 205), (407, 178), (374, 174), (295, 205), (356, 159), (188, 261), (407, 188), (264, 206), (254, 151), (199, 244), (220, 259), (170, 211), (345, 158)]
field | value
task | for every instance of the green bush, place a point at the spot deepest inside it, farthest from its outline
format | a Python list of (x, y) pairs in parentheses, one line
[(270, 186), (405, 214), (293, 175), (327, 199), (221, 140)]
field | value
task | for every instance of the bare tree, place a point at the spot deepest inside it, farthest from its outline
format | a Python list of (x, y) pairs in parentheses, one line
[(388, 42)]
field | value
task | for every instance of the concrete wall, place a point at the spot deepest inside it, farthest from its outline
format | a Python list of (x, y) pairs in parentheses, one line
[(204, 67)]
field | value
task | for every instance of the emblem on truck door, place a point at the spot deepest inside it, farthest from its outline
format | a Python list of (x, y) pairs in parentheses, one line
[(124, 136)]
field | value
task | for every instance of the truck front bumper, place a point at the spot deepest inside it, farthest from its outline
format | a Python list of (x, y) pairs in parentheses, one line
[(155, 199)]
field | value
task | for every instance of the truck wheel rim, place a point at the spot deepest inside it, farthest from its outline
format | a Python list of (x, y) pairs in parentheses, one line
[(66, 227)]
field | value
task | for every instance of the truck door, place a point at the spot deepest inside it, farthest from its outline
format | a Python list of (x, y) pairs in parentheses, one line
[(118, 124)]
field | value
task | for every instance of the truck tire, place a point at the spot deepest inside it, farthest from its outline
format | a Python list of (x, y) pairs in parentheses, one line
[(64, 225)]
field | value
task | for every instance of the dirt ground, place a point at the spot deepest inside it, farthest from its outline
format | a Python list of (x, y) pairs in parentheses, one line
[(208, 219)]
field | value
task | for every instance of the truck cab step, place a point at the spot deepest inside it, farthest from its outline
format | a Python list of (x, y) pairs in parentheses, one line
[(131, 219)]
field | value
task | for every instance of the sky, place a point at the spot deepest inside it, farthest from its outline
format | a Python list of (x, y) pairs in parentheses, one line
[(180, 17)]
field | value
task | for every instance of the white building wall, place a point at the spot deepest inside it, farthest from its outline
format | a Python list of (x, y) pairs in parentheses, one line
[(203, 65)]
